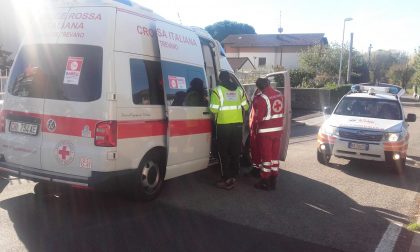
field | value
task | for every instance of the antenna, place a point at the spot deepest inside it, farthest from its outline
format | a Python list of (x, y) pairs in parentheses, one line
[(179, 18), (280, 29)]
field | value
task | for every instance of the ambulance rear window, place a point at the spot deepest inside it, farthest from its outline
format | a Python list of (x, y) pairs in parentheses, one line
[(58, 72)]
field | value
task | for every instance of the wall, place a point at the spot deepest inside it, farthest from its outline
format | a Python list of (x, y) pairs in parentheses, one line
[(308, 98), (275, 56)]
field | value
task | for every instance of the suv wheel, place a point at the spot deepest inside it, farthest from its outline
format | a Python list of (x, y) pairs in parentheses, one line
[(323, 158)]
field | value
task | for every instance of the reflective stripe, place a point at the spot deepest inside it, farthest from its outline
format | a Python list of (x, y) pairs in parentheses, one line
[(267, 101), (270, 130), (275, 169), (266, 170), (274, 162), (231, 108), (267, 163), (274, 117), (215, 106), (244, 103), (220, 93)]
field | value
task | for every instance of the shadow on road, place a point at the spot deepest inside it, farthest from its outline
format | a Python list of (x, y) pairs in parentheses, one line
[(3, 181), (300, 131), (192, 215), (378, 172)]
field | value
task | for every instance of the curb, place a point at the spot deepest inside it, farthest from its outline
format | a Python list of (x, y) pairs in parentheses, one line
[(298, 123), (411, 104)]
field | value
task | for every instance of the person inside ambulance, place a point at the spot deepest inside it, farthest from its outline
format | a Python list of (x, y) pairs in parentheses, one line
[(227, 102), (196, 94), (266, 128)]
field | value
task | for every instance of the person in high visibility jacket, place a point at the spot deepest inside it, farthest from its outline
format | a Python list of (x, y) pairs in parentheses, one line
[(227, 103), (266, 131)]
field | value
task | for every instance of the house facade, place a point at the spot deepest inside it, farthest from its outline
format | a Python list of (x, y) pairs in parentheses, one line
[(271, 51)]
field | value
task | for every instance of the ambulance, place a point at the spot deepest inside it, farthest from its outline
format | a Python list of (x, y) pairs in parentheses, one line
[(368, 124), (97, 96)]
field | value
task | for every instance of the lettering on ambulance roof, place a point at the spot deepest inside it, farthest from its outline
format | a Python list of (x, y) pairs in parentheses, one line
[(69, 25)]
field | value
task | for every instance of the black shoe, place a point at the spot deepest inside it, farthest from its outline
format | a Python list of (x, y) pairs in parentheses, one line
[(255, 172), (273, 182), (227, 184), (263, 184)]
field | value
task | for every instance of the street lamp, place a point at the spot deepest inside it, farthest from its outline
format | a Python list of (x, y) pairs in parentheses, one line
[(341, 53)]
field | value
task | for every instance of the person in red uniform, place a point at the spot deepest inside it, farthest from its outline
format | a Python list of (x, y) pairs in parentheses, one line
[(266, 130)]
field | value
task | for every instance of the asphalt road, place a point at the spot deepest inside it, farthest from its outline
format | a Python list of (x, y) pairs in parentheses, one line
[(347, 206)]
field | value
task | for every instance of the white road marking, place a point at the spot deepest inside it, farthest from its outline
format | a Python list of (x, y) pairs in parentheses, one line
[(389, 238)]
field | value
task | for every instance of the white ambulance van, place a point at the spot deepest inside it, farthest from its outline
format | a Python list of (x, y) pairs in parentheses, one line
[(97, 98), (369, 124)]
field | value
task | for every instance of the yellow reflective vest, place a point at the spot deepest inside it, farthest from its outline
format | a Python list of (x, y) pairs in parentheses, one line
[(227, 105)]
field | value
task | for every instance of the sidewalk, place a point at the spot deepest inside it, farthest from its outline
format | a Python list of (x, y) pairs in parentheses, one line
[(299, 116), (407, 100)]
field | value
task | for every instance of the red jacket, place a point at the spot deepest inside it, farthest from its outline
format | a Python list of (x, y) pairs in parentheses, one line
[(267, 113)]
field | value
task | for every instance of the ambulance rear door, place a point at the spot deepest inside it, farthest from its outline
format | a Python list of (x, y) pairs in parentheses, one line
[(185, 84), (29, 80), (276, 78)]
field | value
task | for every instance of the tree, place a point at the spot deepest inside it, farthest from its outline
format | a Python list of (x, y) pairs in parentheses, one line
[(221, 30), (416, 66), (5, 62), (400, 74), (382, 61), (325, 62)]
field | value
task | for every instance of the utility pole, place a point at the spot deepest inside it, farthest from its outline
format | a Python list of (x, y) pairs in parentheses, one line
[(350, 58)]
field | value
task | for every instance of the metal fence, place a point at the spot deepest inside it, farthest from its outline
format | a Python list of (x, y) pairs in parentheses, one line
[(3, 80)]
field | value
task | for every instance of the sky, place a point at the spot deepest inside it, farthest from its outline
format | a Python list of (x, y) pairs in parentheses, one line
[(383, 23)]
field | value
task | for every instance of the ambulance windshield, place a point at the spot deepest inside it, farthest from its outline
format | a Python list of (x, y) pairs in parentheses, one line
[(59, 72)]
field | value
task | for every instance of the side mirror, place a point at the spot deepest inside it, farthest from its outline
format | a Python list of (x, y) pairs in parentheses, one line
[(327, 111), (411, 118)]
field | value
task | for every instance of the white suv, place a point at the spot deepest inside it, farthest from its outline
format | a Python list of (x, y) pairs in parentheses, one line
[(368, 123)]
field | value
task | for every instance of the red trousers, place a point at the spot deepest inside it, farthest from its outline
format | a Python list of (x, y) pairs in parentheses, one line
[(265, 152)]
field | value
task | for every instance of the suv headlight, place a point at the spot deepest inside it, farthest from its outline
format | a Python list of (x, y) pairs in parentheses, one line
[(329, 130), (394, 136)]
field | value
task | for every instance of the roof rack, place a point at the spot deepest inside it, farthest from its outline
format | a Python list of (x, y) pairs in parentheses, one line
[(373, 90)]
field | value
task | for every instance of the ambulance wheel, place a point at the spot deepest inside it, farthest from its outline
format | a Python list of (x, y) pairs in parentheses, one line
[(42, 189), (323, 158), (149, 176)]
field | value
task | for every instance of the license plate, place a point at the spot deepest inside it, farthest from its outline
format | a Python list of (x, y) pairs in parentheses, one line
[(23, 128), (359, 146)]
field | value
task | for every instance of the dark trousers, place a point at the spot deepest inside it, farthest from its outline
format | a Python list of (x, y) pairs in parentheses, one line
[(229, 144)]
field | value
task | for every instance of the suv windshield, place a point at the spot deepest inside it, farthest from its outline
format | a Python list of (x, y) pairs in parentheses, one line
[(373, 108), (59, 72)]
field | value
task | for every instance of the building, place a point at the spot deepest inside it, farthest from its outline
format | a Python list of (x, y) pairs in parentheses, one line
[(242, 64), (271, 51)]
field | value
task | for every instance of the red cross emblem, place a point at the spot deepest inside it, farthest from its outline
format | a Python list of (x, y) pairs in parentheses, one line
[(64, 152), (277, 106)]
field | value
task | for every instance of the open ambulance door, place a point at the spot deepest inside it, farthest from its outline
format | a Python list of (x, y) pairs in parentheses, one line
[(287, 103), (188, 117)]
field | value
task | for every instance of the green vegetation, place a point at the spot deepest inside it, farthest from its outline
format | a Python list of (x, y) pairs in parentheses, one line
[(415, 227), (388, 66), (221, 30)]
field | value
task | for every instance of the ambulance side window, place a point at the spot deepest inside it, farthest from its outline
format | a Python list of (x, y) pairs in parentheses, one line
[(209, 64), (146, 82)]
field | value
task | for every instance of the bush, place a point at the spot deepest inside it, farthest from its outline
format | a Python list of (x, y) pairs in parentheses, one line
[(299, 76), (337, 92)]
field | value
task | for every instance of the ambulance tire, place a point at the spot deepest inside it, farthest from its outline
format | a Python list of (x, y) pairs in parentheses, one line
[(45, 189), (150, 176), (42, 190), (323, 158)]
